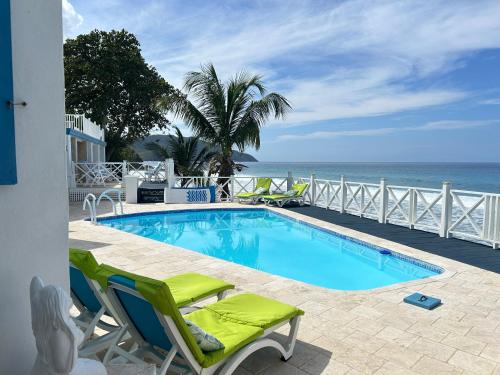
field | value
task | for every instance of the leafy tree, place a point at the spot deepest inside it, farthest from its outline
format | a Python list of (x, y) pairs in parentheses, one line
[(190, 158), (226, 114), (108, 80)]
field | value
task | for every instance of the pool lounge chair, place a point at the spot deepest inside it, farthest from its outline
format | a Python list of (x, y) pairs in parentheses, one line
[(241, 323), (296, 194), (92, 303), (261, 188)]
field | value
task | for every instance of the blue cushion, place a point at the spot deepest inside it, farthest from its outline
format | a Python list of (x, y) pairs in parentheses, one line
[(81, 289), (141, 313), (423, 301)]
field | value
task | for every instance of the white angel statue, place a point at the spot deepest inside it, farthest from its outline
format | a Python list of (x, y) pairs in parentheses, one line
[(57, 336)]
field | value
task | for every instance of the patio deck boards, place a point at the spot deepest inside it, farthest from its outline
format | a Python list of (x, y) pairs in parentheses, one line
[(474, 254)]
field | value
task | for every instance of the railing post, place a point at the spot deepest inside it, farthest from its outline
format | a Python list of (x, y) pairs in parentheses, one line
[(312, 181), (289, 181), (446, 207), (496, 230), (343, 195), (412, 209), (124, 169), (327, 194), (73, 174), (232, 188), (362, 199), (491, 220), (383, 201)]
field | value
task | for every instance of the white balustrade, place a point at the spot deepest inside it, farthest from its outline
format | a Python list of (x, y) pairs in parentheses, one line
[(468, 215), (83, 125)]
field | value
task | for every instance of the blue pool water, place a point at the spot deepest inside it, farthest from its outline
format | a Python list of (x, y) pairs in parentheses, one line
[(263, 240)]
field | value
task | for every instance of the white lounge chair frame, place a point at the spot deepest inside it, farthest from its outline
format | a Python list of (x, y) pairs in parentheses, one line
[(88, 322), (188, 363), (281, 202)]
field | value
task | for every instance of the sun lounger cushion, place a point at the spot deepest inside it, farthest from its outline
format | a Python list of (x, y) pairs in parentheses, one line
[(261, 190), (235, 321), (254, 310), (246, 195), (232, 335), (185, 288), (190, 287), (290, 193), (157, 294), (85, 261), (275, 196)]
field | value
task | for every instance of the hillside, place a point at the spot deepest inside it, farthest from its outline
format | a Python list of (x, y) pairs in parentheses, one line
[(139, 147)]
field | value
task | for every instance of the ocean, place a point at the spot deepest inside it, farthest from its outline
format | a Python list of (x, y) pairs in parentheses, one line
[(482, 177)]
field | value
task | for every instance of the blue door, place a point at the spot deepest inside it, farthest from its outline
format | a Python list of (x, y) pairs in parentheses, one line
[(8, 175)]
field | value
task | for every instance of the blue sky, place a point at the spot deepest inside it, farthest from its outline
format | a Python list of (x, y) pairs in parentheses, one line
[(369, 80)]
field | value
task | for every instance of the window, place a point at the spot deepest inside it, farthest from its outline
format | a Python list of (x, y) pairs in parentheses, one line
[(8, 173)]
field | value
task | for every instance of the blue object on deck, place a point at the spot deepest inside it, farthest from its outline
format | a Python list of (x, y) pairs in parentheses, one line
[(420, 300)]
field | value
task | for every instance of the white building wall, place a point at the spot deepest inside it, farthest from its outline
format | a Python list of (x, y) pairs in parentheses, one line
[(33, 213)]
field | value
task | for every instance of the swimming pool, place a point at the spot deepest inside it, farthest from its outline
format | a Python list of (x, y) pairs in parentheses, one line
[(277, 244)]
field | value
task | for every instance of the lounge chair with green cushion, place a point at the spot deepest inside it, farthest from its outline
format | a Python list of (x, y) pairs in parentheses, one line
[(93, 305), (261, 188), (239, 324), (295, 194)]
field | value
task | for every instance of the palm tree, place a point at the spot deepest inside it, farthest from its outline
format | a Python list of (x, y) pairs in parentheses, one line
[(226, 114), (190, 158)]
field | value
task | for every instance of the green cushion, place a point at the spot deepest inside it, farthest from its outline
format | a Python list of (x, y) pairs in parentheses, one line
[(191, 287), (158, 294), (263, 182), (246, 195), (232, 335), (275, 196), (300, 188), (254, 310), (84, 260)]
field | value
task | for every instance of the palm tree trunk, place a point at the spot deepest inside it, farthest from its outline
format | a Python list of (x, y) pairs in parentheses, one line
[(225, 171)]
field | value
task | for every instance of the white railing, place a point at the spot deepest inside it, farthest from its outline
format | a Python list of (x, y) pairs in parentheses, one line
[(112, 173), (473, 216), (83, 125)]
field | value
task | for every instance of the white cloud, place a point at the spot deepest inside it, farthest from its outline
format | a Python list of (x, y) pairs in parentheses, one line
[(341, 59), (72, 20), (435, 125), (495, 101)]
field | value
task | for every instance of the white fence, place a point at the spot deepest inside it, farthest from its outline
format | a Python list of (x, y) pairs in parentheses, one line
[(473, 216), (83, 125), (112, 173), (469, 215)]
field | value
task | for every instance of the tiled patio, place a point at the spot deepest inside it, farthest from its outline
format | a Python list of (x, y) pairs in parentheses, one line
[(369, 332)]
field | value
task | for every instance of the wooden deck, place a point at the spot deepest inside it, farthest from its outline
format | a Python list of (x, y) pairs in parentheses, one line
[(462, 251)]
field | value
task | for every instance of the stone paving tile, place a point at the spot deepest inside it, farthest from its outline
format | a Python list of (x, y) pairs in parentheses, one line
[(392, 369), (491, 352), (427, 366), (399, 355), (433, 349), (471, 363), (342, 332), (464, 343), (324, 365)]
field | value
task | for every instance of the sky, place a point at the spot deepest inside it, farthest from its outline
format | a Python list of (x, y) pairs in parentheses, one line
[(369, 80)]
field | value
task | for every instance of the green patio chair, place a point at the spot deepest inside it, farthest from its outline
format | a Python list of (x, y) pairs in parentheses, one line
[(241, 325), (295, 194), (261, 188), (92, 303)]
